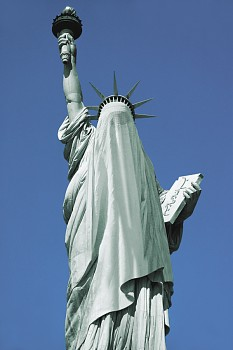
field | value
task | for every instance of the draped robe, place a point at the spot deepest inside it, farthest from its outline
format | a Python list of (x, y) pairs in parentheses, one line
[(121, 281)]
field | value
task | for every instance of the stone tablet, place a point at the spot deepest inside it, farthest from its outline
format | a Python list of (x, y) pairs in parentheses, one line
[(175, 200)]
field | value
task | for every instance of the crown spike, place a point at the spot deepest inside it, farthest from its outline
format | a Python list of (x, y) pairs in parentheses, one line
[(93, 117), (143, 116), (98, 92), (132, 90), (115, 89), (93, 108), (138, 104)]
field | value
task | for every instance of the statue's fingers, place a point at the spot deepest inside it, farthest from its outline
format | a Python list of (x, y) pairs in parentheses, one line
[(62, 37), (196, 186), (190, 190), (186, 195), (62, 41), (70, 38)]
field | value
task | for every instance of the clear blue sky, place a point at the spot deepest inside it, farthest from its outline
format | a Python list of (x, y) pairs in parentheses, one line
[(182, 52)]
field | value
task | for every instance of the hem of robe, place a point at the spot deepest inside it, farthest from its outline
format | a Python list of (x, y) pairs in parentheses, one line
[(141, 325), (154, 278)]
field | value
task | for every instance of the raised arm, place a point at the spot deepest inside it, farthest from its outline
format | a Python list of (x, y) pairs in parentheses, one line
[(71, 84)]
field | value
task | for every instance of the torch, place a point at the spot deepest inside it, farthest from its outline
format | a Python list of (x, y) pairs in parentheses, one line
[(67, 23)]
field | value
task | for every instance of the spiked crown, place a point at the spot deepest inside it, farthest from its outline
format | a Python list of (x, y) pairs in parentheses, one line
[(118, 98)]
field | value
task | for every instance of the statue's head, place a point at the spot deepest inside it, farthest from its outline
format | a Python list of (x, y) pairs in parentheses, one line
[(117, 100)]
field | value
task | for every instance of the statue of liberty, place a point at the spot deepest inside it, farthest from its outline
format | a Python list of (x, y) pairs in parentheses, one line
[(118, 245)]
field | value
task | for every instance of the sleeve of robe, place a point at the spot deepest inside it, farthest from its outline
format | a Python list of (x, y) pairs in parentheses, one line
[(75, 135), (174, 231)]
